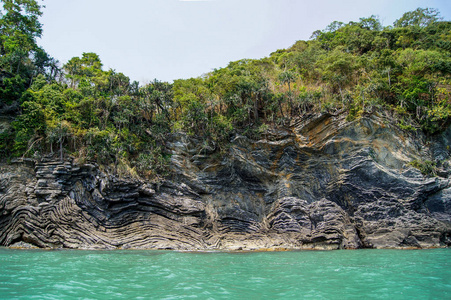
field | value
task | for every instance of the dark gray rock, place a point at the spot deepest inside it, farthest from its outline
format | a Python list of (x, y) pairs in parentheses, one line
[(322, 183)]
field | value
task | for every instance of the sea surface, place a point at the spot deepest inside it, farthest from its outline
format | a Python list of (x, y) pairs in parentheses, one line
[(133, 274)]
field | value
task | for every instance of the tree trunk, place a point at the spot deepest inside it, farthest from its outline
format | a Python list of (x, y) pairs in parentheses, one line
[(389, 79), (341, 94), (256, 109), (290, 98), (61, 147), (280, 107)]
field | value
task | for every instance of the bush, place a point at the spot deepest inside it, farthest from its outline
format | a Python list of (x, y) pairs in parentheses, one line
[(427, 167)]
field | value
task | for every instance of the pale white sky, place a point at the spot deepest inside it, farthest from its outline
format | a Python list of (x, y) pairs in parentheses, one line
[(171, 39)]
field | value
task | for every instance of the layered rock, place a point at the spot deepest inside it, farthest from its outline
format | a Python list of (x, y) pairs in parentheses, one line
[(322, 183)]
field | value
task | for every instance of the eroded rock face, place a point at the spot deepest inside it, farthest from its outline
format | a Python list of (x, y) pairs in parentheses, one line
[(322, 183)]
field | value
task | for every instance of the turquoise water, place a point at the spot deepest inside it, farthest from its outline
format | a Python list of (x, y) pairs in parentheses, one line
[(347, 274)]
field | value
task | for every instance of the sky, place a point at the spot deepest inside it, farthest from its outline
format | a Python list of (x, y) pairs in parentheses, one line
[(173, 39)]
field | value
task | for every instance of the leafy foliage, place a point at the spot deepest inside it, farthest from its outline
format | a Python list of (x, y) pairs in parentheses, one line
[(427, 167), (99, 115), (21, 58)]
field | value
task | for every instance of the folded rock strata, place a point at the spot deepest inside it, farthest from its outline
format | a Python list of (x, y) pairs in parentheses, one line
[(321, 183)]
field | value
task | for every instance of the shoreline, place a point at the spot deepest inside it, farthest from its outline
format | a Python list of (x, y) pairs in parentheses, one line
[(27, 246)]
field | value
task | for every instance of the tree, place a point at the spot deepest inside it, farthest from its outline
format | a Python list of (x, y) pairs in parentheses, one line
[(421, 17), (158, 96), (338, 68), (20, 57), (371, 23), (88, 68), (288, 77)]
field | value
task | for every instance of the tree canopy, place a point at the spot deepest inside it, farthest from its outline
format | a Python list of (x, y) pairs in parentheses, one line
[(21, 59), (92, 114)]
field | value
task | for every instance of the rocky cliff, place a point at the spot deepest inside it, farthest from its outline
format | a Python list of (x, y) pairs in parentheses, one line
[(321, 183)]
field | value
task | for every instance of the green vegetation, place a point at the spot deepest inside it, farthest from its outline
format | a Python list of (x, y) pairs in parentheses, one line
[(427, 167), (99, 115)]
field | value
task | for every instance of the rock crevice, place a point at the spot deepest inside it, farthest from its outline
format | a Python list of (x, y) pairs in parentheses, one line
[(323, 183)]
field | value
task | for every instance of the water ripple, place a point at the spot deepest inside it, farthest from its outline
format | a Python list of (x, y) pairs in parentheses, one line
[(376, 274)]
